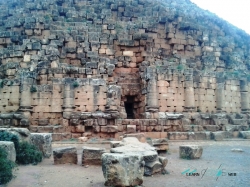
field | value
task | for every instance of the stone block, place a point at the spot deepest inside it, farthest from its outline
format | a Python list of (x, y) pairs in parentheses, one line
[(92, 155), (190, 151), (9, 147), (160, 144), (131, 128), (65, 155), (83, 139), (221, 135), (43, 142), (244, 134), (140, 136), (122, 169)]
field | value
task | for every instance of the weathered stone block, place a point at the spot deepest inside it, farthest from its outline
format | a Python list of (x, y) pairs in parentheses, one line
[(160, 144), (190, 151), (43, 142), (140, 136), (65, 155), (245, 134), (92, 155), (9, 147), (122, 169)]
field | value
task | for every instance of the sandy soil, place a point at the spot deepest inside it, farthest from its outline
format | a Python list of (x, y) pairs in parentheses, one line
[(217, 156)]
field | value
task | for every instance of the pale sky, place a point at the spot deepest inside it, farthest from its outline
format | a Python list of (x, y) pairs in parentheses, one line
[(236, 12)]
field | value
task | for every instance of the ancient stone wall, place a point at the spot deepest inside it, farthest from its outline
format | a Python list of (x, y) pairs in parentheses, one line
[(78, 67)]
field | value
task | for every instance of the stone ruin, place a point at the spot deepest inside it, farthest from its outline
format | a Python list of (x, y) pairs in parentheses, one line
[(104, 68)]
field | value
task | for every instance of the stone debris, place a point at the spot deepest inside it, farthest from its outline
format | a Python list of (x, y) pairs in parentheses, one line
[(43, 141), (160, 144), (237, 150), (190, 151), (83, 139), (65, 155), (140, 136), (245, 134), (92, 155), (131, 145), (9, 147), (120, 170)]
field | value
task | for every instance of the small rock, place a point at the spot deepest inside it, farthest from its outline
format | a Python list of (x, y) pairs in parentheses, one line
[(83, 139), (237, 150)]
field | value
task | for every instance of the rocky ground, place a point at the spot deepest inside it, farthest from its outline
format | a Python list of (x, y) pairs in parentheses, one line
[(214, 168)]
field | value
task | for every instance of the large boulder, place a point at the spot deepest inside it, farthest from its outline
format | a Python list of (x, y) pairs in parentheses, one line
[(43, 142), (9, 147), (22, 133), (122, 169), (92, 155), (190, 151), (65, 155)]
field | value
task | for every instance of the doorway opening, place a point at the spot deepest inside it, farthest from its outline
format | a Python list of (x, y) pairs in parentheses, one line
[(129, 107)]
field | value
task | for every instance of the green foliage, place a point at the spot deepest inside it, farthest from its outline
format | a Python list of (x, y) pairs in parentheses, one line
[(47, 17), (180, 67), (28, 154), (6, 167), (11, 83), (1, 84), (7, 136), (75, 84), (33, 89)]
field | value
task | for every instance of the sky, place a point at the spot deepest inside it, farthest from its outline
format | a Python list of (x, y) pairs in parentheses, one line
[(236, 12)]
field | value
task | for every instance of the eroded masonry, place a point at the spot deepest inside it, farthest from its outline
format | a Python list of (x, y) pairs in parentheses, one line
[(107, 67)]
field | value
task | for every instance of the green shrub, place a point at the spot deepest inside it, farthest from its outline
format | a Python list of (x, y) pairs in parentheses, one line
[(6, 167), (33, 89), (28, 154), (7, 136), (75, 84)]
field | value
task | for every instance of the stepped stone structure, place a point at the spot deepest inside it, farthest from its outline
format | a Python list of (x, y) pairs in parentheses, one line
[(108, 67)]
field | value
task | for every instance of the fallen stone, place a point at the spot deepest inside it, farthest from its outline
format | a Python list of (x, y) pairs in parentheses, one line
[(163, 161), (140, 136), (43, 142), (122, 169), (9, 147), (132, 145), (152, 168), (92, 155), (114, 144), (245, 134), (237, 150), (190, 151), (160, 144), (65, 155), (83, 139)]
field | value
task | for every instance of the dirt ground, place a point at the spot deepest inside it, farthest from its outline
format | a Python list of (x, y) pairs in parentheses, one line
[(219, 166)]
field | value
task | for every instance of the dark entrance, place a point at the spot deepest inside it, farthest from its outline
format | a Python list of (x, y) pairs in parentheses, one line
[(129, 106)]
